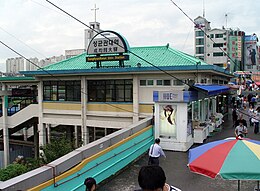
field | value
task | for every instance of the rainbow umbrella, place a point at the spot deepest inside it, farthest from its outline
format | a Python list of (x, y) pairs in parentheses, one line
[(232, 159)]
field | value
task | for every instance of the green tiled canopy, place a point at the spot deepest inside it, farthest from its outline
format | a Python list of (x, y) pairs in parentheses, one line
[(156, 55)]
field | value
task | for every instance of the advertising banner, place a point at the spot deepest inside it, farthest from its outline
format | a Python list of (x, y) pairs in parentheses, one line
[(168, 121)]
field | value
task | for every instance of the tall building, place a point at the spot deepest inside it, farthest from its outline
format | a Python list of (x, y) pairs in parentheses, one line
[(201, 27), (14, 65), (225, 47)]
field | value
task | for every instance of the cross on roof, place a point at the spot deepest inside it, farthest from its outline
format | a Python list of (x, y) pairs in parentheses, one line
[(95, 9)]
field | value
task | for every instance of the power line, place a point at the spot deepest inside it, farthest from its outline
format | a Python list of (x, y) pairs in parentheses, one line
[(128, 50), (22, 42), (112, 105), (109, 39), (208, 36)]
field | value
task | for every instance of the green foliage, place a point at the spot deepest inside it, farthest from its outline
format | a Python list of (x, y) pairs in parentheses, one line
[(11, 171), (32, 163), (56, 149)]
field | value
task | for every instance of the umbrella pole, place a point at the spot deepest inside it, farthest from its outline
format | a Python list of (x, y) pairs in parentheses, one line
[(238, 185), (258, 185)]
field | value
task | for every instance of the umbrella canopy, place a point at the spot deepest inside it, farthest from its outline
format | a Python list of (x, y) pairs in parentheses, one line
[(233, 159)]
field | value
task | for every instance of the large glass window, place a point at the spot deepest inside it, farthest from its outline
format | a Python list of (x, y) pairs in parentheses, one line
[(61, 91), (110, 90)]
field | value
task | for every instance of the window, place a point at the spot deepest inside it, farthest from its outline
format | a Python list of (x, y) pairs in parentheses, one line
[(61, 91), (199, 33), (159, 82), (214, 81), (150, 82), (142, 82), (211, 35), (178, 82), (218, 54), (199, 50), (219, 35), (218, 45), (199, 41), (166, 82), (163, 82), (111, 90)]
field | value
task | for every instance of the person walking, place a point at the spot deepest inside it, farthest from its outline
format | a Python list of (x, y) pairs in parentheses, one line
[(255, 121), (234, 116), (155, 152), (250, 113)]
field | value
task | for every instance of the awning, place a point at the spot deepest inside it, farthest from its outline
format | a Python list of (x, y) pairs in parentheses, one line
[(212, 89)]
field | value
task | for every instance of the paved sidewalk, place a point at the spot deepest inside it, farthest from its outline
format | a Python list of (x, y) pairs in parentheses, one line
[(177, 172)]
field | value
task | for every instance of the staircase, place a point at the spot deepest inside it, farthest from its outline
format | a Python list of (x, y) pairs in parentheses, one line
[(22, 118)]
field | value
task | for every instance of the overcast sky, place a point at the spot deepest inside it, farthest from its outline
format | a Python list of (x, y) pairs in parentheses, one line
[(47, 31)]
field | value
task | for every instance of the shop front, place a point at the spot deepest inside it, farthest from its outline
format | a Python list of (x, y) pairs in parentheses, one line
[(183, 118), (173, 119)]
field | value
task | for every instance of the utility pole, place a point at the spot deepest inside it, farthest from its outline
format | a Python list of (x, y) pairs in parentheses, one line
[(226, 17), (203, 9)]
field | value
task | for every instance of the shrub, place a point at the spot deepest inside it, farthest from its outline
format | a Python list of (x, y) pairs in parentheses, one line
[(11, 171)]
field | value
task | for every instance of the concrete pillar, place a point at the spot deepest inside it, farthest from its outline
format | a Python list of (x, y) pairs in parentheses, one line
[(36, 140), (41, 125), (84, 130), (135, 99), (42, 134), (5, 127), (48, 132), (25, 134), (76, 136)]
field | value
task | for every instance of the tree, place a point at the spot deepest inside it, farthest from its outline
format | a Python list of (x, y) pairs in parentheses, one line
[(56, 149)]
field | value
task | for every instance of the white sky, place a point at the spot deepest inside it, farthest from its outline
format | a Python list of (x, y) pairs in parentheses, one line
[(48, 31)]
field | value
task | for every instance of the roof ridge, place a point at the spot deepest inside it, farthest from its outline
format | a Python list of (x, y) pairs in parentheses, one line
[(189, 57), (158, 46)]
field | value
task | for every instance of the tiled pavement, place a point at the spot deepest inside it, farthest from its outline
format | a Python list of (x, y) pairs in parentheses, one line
[(177, 172)]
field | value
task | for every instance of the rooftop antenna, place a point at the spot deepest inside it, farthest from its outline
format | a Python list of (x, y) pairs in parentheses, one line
[(203, 9), (226, 17), (95, 10)]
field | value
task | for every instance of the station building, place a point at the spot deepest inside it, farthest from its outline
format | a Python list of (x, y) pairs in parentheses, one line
[(99, 92)]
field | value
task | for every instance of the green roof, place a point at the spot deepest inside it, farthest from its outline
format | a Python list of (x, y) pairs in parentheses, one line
[(156, 55), (141, 59)]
